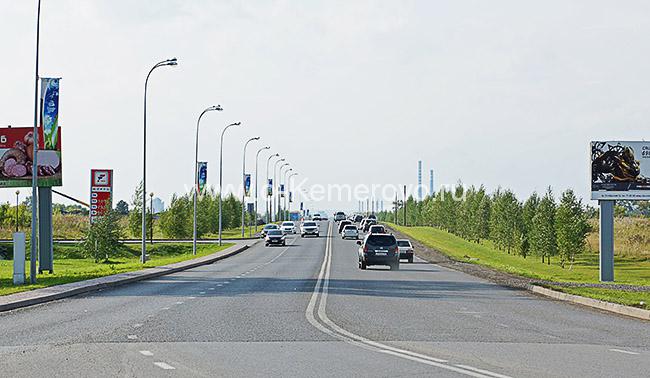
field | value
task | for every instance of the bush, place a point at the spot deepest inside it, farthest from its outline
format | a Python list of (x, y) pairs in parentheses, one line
[(102, 240)]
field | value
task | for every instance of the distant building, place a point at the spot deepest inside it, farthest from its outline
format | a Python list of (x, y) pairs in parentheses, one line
[(158, 205)]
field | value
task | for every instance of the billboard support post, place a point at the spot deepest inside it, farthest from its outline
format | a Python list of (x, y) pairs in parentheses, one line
[(606, 265)]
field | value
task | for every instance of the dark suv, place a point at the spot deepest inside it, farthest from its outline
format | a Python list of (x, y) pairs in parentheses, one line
[(379, 249)]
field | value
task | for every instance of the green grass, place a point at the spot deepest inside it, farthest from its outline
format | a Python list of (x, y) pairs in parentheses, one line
[(628, 270), (69, 266)]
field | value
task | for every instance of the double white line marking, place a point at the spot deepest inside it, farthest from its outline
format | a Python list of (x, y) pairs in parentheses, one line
[(318, 318)]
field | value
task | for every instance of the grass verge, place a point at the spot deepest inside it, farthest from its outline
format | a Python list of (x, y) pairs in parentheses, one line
[(69, 266), (628, 270)]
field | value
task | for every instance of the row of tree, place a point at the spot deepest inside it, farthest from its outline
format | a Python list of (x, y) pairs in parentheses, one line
[(538, 226)]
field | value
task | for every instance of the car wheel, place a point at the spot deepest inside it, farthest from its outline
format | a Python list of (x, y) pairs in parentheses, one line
[(411, 259), (266, 244), (284, 244), (318, 235), (362, 265), (395, 266), (302, 235)]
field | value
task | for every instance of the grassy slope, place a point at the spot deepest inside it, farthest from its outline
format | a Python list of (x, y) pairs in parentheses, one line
[(628, 270), (69, 268)]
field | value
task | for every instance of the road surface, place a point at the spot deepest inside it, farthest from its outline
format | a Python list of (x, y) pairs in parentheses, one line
[(307, 310)]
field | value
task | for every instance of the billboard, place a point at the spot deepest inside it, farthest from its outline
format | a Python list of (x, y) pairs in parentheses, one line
[(269, 189), (16, 156), (101, 192), (620, 170), (281, 190)]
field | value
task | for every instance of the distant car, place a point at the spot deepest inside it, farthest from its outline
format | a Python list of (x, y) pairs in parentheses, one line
[(405, 249), (350, 232), (315, 217), (358, 218), (372, 216), (378, 249), (339, 216), (288, 227), (377, 229), (342, 225), (309, 228), (275, 237), (367, 224), (269, 227)]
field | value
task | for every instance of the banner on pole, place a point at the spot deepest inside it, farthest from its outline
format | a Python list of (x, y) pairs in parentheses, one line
[(290, 197), (247, 184), (49, 113), (269, 189), (281, 190), (202, 176), (302, 206)]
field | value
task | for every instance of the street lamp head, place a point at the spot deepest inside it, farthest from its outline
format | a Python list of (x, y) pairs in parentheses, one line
[(256, 138), (215, 107), (235, 124), (172, 62), (266, 147), (151, 194), (17, 192)]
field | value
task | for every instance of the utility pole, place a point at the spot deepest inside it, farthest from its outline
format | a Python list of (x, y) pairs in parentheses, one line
[(405, 206)]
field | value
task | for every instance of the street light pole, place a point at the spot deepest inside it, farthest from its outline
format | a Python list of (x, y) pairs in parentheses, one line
[(243, 195), (151, 212), (279, 198), (221, 173), (196, 169), (275, 182), (289, 201), (168, 62), (32, 255), (286, 193), (257, 157), (268, 198)]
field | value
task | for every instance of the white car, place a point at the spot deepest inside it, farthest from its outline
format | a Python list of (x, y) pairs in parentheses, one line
[(350, 231), (309, 228), (288, 227)]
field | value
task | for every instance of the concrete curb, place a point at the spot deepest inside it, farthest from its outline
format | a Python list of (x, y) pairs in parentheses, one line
[(47, 294), (620, 309)]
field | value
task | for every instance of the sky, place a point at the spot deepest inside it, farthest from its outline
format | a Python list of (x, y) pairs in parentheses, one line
[(500, 93)]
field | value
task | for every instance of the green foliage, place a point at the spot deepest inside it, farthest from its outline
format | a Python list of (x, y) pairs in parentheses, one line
[(122, 208), (543, 241), (176, 222), (102, 239), (571, 227)]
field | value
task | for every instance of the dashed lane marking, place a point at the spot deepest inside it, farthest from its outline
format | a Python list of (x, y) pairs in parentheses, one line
[(623, 351), (164, 365), (146, 353)]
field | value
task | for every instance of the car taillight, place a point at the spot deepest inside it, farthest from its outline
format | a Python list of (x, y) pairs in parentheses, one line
[(394, 250), (365, 249)]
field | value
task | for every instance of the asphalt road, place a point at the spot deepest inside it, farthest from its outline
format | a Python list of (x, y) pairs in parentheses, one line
[(307, 310)]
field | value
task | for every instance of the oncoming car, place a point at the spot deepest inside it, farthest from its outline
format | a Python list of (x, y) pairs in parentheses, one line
[(276, 237), (269, 227), (288, 227), (309, 228)]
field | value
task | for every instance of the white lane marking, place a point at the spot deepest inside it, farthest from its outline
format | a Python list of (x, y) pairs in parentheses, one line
[(503, 325), (338, 332), (180, 302), (165, 308), (132, 337), (219, 284), (210, 288), (492, 374), (137, 325), (146, 353), (191, 297), (469, 312), (164, 365), (623, 351), (201, 292)]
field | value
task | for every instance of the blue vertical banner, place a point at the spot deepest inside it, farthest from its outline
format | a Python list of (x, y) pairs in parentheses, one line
[(202, 176), (269, 189), (290, 197), (302, 206), (281, 190), (247, 184), (49, 112)]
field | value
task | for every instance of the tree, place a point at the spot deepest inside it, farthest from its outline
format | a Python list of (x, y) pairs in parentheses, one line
[(102, 238), (176, 221), (135, 215), (543, 238), (122, 208), (528, 212), (571, 227)]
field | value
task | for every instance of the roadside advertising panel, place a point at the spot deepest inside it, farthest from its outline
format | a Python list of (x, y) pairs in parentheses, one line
[(269, 189), (16, 157), (202, 176), (247, 185), (620, 170), (101, 192)]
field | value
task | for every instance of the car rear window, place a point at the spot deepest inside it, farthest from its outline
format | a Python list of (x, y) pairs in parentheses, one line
[(381, 240), (275, 232), (403, 243), (270, 226), (350, 227), (309, 224), (287, 224)]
